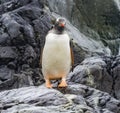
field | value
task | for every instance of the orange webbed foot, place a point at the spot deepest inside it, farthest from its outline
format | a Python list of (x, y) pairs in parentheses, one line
[(48, 84), (62, 84)]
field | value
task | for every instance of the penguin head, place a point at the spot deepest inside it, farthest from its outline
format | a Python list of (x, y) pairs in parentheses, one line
[(60, 24)]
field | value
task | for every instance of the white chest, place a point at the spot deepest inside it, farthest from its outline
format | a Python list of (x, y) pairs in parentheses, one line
[(56, 53), (57, 44)]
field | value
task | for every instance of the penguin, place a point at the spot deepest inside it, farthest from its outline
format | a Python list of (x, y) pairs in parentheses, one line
[(57, 55)]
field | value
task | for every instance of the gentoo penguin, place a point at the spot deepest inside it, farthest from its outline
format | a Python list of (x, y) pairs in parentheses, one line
[(57, 56)]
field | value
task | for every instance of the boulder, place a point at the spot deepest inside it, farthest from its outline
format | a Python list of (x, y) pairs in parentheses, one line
[(40, 99), (92, 72)]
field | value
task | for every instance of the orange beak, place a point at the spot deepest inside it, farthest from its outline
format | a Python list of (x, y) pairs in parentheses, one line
[(62, 25)]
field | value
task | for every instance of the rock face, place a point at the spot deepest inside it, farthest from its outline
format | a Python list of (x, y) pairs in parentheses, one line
[(93, 86), (94, 18), (24, 25)]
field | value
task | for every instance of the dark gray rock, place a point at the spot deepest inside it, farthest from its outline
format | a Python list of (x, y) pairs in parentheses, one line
[(9, 83), (41, 27), (96, 19), (11, 25), (7, 54), (29, 56), (4, 39), (40, 99), (23, 27), (26, 77), (94, 98), (5, 73), (92, 72), (91, 48), (38, 96), (23, 80), (9, 5), (116, 77), (19, 31)]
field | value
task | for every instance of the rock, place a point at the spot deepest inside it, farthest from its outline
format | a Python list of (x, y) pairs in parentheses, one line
[(91, 48), (37, 77), (36, 96), (7, 54), (41, 27), (94, 98), (11, 65), (30, 12), (40, 99), (9, 84), (26, 77), (5, 39), (18, 30), (88, 17), (94, 34), (5, 73), (116, 77), (92, 72), (23, 80), (11, 25), (7, 5), (29, 56)]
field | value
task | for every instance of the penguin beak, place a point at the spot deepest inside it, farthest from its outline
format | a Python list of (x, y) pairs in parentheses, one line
[(62, 25)]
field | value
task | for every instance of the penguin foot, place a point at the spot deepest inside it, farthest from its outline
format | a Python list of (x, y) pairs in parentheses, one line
[(62, 84), (48, 84)]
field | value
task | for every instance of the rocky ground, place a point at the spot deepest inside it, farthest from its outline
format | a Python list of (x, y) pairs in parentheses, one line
[(75, 98), (93, 85)]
